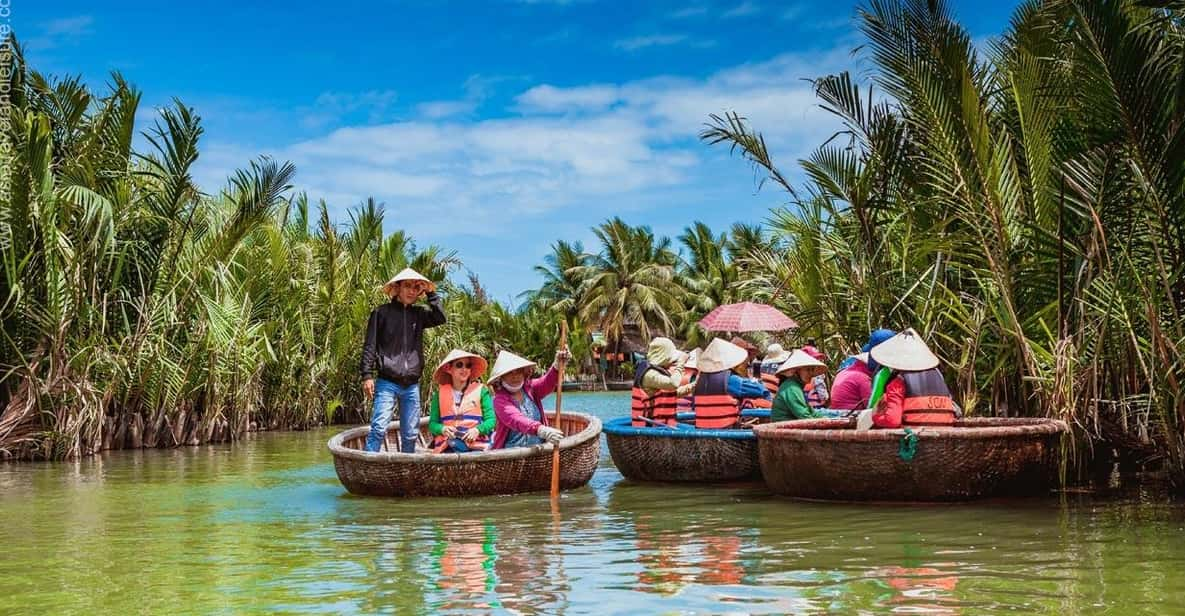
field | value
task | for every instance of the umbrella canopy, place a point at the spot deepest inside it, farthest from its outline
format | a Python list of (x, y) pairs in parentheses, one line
[(747, 317)]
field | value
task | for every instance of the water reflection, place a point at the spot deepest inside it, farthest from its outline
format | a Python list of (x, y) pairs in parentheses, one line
[(264, 525), (918, 586)]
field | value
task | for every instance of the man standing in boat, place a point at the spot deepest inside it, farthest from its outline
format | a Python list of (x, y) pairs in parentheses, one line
[(394, 353)]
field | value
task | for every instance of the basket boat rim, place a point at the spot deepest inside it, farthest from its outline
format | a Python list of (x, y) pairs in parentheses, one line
[(621, 426), (843, 430), (591, 431)]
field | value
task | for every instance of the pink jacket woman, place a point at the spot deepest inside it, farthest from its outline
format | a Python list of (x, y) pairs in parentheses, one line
[(523, 421), (509, 418)]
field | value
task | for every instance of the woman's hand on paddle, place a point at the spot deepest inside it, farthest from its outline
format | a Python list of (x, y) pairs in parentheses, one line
[(368, 388), (550, 434), (561, 357), (448, 432)]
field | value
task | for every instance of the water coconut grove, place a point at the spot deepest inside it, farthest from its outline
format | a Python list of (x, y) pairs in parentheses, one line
[(1011, 212)]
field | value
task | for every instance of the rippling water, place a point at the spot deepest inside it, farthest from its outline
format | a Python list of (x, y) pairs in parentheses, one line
[(264, 525)]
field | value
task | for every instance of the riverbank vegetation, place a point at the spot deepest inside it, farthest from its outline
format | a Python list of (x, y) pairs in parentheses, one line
[(1022, 203)]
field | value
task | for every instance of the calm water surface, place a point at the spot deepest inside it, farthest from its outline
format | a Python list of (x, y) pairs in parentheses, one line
[(264, 526)]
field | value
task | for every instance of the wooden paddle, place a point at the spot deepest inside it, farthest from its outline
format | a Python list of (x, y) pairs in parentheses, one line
[(559, 403)]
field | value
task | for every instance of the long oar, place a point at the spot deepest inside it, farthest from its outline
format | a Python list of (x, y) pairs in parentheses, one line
[(559, 405)]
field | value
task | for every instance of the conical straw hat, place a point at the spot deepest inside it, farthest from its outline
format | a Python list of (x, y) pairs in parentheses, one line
[(800, 359), (692, 362), (721, 355), (478, 369), (906, 352), (407, 274), (508, 362), (776, 353)]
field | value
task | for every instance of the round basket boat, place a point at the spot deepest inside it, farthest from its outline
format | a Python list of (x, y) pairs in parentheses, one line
[(828, 459), (668, 454), (502, 471)]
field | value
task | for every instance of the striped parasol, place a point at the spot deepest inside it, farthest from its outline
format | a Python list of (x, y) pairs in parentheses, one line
[(747, 317)]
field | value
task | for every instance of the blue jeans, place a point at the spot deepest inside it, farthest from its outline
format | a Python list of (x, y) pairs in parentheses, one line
[(386, 393)]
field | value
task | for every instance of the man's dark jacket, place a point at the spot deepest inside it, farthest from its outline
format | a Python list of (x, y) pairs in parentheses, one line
[(394, 347)]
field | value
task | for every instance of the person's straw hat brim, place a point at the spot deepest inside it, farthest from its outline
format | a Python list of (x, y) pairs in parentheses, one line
[(407, 274), (662, 352), (721, 355), (775, 353), (475, 373), (906, 352), (800, 359), (508, 362)]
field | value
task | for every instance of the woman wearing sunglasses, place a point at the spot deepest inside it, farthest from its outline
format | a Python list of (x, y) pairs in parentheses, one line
[(461, 416)]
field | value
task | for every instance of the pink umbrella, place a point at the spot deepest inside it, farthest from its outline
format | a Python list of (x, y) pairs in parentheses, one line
[(747, 317)]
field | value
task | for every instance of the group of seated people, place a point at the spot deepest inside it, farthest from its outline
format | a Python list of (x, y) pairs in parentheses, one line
[(466, 414), (893, 382)]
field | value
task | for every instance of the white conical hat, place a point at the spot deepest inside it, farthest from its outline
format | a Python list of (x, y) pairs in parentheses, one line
[(407, 274), (721, 355), (906, 352), (776, 353), (861, 357), (692, 362), (508, 362), (479, 366), (801, 359)]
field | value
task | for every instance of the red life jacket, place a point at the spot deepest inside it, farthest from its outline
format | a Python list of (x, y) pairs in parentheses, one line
[(464, 418), (927, 399), (714, 408), (660, 407)]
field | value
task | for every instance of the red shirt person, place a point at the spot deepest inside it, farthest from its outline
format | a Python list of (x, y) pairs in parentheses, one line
[(916, 395)]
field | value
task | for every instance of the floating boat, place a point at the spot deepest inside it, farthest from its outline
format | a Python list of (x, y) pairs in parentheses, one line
[(501, 471), (661, 453), (828, 459)]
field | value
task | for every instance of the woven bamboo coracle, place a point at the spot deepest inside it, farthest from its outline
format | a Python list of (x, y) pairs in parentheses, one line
[(665, 454), (502, 471), (828, 459)]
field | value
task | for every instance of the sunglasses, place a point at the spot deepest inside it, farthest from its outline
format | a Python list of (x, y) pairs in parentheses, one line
[(459, 364)]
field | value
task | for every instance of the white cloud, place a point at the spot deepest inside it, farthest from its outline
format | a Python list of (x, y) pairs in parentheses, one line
[(649, 40), (436, 110), (690, 11), (743, 9), (548, 98), (560, 152)]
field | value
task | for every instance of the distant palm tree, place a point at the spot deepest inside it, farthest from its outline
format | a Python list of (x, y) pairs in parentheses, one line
[(560, 291), (631, 281)]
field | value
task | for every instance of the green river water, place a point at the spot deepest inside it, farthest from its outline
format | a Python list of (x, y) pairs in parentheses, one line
[(264, 526)]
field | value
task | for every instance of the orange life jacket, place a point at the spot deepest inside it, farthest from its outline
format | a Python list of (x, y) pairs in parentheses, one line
[(464, 418), (927, 399), (771, 382), (714, 408), (660, 407)]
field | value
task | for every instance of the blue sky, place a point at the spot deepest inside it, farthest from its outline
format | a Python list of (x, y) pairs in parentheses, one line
[(490, 128)]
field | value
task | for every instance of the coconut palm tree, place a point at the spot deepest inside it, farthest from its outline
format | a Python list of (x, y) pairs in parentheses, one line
[(631, 281)]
